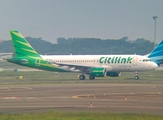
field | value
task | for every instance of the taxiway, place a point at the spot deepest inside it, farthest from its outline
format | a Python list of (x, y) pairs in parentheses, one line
[(112, 97)]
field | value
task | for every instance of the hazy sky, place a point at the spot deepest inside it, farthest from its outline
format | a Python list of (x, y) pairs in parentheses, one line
[(105, 19)]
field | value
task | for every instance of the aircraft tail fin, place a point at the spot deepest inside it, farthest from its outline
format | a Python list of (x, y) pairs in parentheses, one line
[(25, 55), (21, 46), (157, 54)]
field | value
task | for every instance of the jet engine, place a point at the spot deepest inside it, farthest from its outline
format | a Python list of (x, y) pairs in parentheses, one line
[(113, 74), (98, 72)]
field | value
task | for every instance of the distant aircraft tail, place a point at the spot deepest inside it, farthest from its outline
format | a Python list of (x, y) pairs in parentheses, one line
[(21, 46), (157, 54)]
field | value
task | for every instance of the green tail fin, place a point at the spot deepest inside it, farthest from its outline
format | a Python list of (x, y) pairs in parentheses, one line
[(25, 55), (21, 46)]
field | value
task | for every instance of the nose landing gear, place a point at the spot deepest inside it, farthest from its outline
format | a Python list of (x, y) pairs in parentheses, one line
[(136, 75)]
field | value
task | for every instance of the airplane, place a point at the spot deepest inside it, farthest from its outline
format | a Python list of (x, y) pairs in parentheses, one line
[(93, 65), (4, 56)]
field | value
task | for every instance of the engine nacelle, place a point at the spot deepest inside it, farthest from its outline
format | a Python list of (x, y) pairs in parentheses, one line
[(98, 72), (113, 74)]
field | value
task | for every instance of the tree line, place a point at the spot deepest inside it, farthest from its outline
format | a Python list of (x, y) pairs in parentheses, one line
[(88, 46)]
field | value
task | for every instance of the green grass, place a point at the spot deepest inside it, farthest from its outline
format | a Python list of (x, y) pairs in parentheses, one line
[(42, 77), (57, 115)]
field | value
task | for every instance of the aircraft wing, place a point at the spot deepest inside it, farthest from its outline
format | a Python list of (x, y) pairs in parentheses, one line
[(81, 68), (70, 65), (4, 56), (75, 67)]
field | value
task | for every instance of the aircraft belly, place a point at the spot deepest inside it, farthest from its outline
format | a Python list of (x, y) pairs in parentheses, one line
[(122, 68)]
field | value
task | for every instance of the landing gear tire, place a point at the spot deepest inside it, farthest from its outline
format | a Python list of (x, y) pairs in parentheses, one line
[(136, 77), (91, 77), (81, 77)]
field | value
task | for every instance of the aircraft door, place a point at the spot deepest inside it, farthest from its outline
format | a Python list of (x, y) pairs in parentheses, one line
[(134, 61), (37, 62)]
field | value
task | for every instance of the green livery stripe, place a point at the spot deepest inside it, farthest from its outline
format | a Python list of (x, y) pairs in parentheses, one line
[(16, 33), (49, 65), (25, 44), (31, 51)]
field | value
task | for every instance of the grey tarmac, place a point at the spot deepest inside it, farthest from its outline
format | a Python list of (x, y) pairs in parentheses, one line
[(101, 97)]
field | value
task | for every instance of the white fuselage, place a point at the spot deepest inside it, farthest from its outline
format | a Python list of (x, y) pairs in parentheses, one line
[(118, 63)]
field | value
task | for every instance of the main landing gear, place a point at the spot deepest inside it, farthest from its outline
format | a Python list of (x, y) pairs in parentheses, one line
[(91, 77), (136, 75), (82, 77)]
